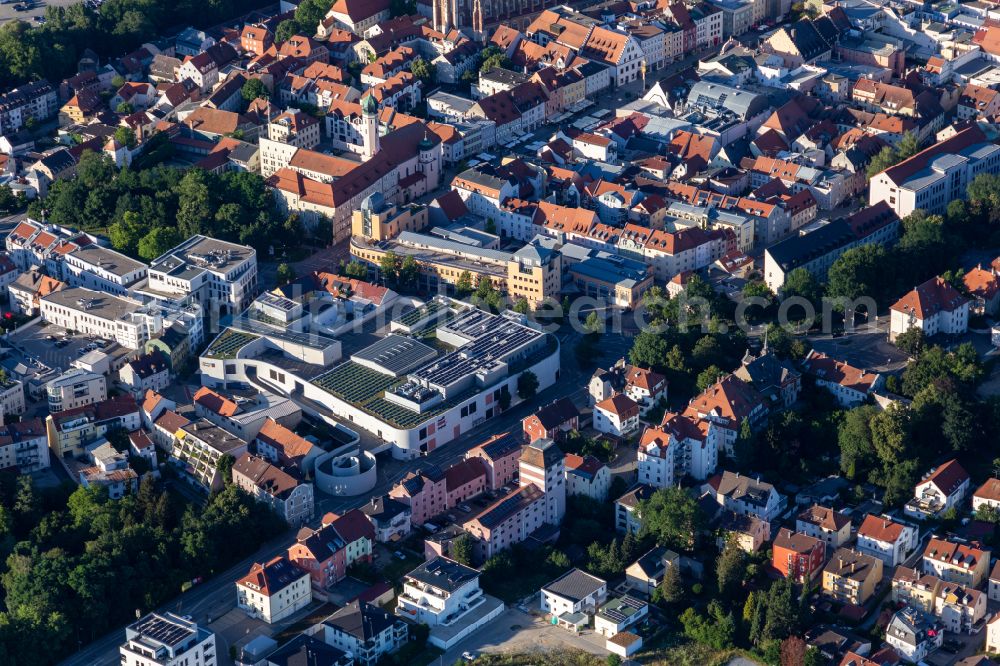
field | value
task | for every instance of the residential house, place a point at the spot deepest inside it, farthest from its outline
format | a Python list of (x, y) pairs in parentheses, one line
[(797, 556), (424, 491), (646, 387), (618, 614), (745, 495), (983, 286), (851, 577), (913, 635), (575, 592), (747, 531), (956, 563), (934, 307), (827, 525), (75, 388), (389, 517), (617, 416), (727, 404), (287, 495), (146, 372), (363, 630), (849, 385), (889, 540), (943, 488), (71, 430), (552, 421), (588, 476), (274, 590), (912, 588), (647, 573), (961, 609), (627, 520), (987, 495)]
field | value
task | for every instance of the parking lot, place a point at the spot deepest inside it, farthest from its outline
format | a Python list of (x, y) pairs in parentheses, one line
[(51, 346), (37, 9)]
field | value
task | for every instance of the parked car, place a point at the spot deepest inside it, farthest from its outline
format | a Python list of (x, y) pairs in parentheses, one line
[(470, 656)]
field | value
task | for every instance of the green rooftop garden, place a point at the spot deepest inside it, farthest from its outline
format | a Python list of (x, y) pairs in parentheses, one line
[(227, 345)]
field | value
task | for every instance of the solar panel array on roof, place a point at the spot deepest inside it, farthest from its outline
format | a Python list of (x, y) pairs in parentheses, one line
[(394, 355), (160, 629)]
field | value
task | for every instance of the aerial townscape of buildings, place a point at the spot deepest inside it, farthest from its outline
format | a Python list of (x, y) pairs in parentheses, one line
[(366, 332)]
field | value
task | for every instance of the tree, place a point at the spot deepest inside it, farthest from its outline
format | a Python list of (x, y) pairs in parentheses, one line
[(859, 272), (672, 517), (389, 266), (285, 274), (717, 630), (463, 286), (803, 284), (613, 660), (254, 89), (731, 568), (356, 270), (782, 612), (504, 400), (649, 350), (285, 30), (423, 70), (409, 272), (124, 108), (527, 385), (709, 376), (461, 550), (671, 590), (126, 233), (793, 651), (125, 136), (857, 452), (594, 324), (911, 341), (157, 242), (522, 306)]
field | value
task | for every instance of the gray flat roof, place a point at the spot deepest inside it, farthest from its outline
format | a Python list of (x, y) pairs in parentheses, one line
[(202, 253), (109, 260), (95, 303), (397, 354)]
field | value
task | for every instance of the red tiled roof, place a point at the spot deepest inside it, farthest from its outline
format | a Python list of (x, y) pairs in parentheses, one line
[(926, 300)]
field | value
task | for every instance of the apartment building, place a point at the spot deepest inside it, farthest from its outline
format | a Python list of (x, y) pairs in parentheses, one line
[(287, 495), (198, 447), (889, 540), (24, 445), (70, 431), (587, 476), (936, 175), (829, 526), (168, 640), (101, 269), (851, 577), (934, 307), (956, 563), (212, 273), (75, 388), (37, 100), (798, 557), (273, 590)]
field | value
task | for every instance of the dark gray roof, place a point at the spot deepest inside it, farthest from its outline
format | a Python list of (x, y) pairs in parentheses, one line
[(361, 620), (383, 509), (798, 250), (711, 94), (444, 574), (575, 585), (305, 650)]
